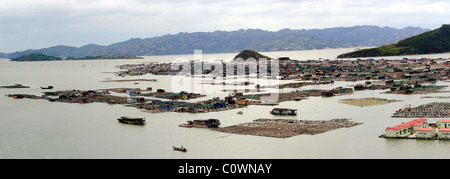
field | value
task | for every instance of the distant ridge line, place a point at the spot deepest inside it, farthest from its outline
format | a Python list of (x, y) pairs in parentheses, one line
[(236, 41)]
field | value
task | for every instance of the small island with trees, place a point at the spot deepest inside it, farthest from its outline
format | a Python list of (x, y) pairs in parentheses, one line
[(36, 57), (435, 41)]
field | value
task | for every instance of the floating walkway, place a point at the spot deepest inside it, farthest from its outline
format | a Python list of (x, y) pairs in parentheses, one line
[(413, 137)]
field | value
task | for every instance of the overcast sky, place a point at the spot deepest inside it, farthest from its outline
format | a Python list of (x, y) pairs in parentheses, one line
[(26, 24)]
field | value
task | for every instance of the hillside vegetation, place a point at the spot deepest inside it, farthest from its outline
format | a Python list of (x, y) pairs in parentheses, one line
[(435, 41), (36, 57)]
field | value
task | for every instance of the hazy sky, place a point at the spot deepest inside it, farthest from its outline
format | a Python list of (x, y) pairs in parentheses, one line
[(26, 24)]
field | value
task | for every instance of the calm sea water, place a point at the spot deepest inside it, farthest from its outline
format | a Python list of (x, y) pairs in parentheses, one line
[(41, 129)]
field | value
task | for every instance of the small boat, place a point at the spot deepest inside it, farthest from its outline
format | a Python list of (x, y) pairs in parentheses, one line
[(48, 87), (209, 123), (182, 149), (132, 120), (15, 86), (188, 125)]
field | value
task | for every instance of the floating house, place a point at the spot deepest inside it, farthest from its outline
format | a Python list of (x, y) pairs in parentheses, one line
[(165, 107), (230, 100), (420, 129), (444, 133), (156, 102), (284, 111), (243, 102), (425, 133), (443, 123), (405, 129), (135, 100), (219, 105), (208, 123), (327, 93)]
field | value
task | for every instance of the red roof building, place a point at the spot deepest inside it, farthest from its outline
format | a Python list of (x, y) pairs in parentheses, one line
[(406, 128), (408, 124), (425, 132), (443, 123), (425, 129)]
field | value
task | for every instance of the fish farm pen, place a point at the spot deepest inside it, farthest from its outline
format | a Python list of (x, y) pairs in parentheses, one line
[(430, 110)]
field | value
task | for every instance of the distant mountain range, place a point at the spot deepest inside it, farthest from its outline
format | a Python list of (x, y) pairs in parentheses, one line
[(236, 41), (435, 41)]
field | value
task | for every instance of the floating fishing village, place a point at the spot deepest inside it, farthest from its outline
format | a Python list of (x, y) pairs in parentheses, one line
[(403, 76), (205, 83)]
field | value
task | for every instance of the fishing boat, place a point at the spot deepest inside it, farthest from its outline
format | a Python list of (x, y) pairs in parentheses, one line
[(189, 124), (284, 111), (48, 87), (15, 86), (208, 123), (182, 149), (132, 120)]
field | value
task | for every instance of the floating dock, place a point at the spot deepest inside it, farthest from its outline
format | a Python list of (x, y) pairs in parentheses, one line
[(413, 137)]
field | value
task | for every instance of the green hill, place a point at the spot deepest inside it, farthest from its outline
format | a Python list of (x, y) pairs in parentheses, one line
[(36, 57), (435, 41)]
